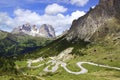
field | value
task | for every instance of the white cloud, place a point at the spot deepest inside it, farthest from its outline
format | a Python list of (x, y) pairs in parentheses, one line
[(6, 23), (5, 19), (93, 7), (55, 9), (24, 16), (59, 21), (79, 2), (77, 14)]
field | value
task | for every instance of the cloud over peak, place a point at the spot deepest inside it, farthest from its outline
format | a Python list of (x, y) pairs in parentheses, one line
[(53, 15), (59, 21)]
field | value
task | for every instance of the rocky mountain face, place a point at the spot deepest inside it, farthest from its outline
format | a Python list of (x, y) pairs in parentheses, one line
[(104, 19), (45, 30)]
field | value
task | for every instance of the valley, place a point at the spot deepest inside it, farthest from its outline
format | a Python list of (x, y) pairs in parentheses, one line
[(60, 68), (64, 67), (88, 50)]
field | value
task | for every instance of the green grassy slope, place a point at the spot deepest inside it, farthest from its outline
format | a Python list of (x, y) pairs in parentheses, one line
[(105, 52), (55, 47), (13, 44)]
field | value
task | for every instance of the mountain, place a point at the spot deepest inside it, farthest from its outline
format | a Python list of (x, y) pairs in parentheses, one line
[(99, 22), (17, 44), (99, 25), (45, 30), (91, 45)]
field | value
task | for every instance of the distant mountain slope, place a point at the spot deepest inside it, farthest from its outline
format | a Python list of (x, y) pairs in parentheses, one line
[(14, 44), (45, 30), (2, 34)]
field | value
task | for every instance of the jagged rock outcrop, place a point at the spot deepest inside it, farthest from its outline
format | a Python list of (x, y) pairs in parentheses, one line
[(45, 30), (96, 23)]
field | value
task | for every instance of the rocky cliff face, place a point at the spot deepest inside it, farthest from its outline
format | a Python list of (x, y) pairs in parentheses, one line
[(97, 21), (45, 30)]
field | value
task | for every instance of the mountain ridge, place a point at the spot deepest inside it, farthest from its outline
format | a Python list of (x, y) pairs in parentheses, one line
[(45, 30), (86, 26), (97, 26)]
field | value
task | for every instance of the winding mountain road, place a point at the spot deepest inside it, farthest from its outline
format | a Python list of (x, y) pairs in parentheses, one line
[(59, 60), (56, 63)]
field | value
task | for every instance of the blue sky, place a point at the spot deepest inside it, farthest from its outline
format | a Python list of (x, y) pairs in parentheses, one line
[(18, 12)]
